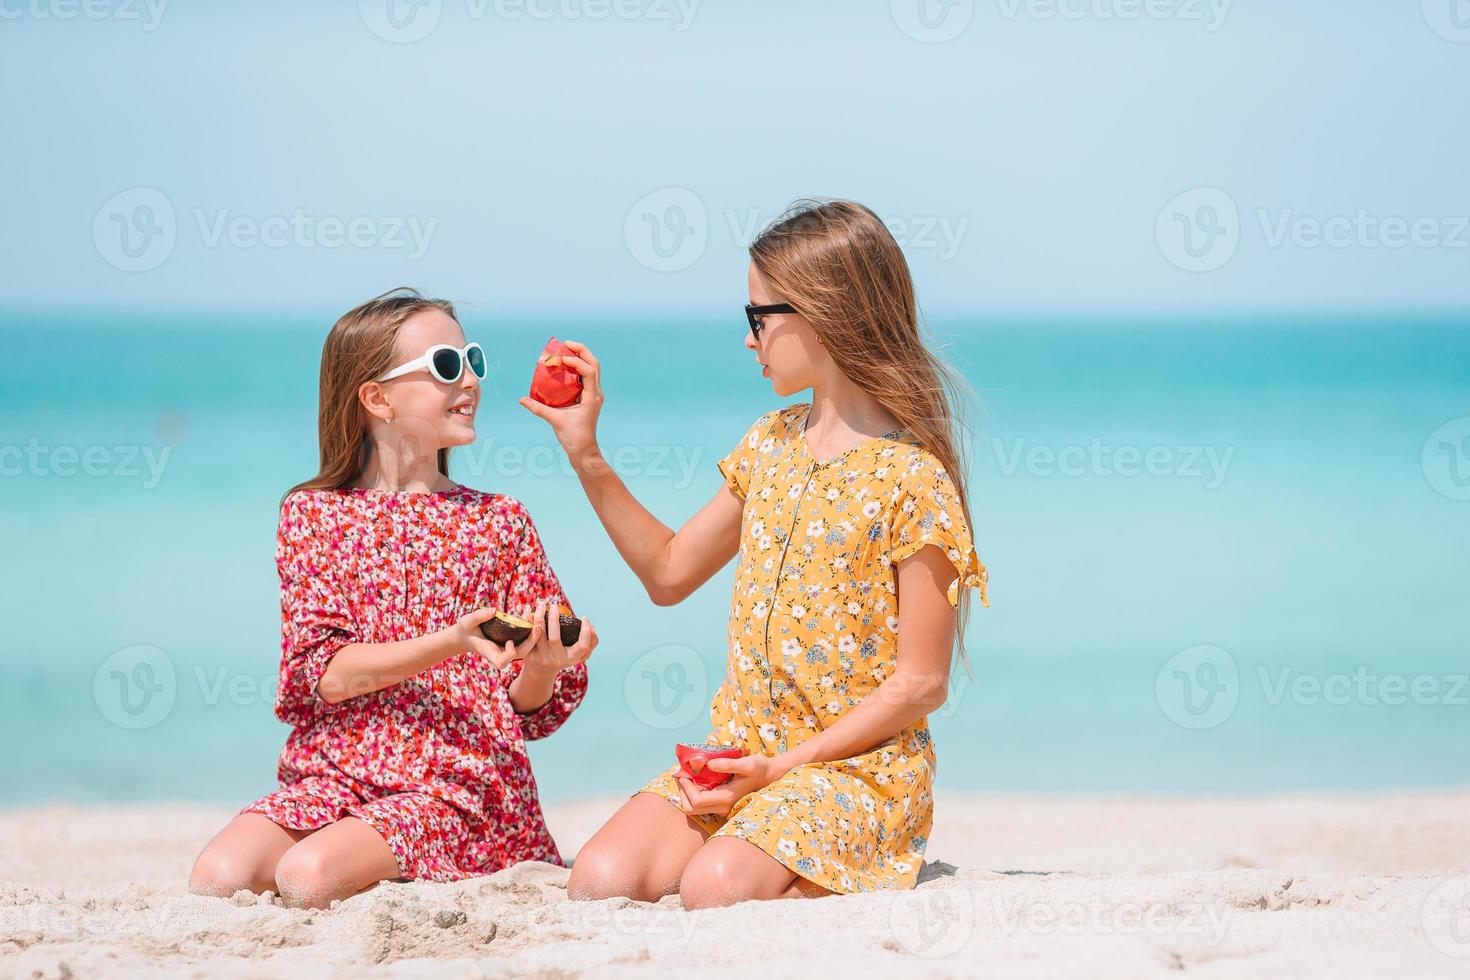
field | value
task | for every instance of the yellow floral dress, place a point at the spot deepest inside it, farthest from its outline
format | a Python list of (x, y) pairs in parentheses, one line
[(813, 631)]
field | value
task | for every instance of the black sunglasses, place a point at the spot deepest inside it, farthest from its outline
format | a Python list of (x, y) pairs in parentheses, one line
[(753, 314)]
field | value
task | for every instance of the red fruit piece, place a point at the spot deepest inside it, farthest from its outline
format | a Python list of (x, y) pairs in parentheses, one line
[(692, 759), (557, 386)]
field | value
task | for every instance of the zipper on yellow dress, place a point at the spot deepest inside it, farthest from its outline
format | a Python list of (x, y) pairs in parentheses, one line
[(776, 592)]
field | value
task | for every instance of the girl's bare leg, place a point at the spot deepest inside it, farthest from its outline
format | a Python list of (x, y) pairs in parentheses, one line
[(802, 888), (640, 853), (335, 862), (728, 870), (243, 855)]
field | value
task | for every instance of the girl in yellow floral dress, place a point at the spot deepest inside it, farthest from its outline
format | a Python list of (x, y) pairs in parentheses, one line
[(842, 514)]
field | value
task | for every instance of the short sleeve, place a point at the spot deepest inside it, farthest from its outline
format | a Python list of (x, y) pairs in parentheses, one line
[(930, 512), (533, 582), (740, 462), (316, 618)]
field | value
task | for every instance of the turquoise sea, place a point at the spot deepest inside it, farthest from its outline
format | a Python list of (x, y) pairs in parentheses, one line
[(1226, 556)]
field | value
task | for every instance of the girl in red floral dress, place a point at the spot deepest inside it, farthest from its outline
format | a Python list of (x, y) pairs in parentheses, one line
[(407, 754)]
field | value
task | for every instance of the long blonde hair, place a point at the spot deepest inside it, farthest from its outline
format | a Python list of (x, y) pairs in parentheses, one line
[(359, 349), (837, 263)]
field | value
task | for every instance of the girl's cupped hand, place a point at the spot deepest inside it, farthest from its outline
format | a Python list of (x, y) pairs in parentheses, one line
[(542, 651), (467, 636), (576, 425), (751, 773)]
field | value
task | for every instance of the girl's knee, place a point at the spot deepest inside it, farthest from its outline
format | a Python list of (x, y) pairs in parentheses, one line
[(220, 872), (713, 879), (303, 876), (599, 873)]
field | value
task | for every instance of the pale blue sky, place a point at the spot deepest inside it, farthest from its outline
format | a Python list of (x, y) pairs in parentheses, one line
[(1028, 161)]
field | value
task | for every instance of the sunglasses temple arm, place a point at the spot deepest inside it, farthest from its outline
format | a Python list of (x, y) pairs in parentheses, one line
[(402, 369)]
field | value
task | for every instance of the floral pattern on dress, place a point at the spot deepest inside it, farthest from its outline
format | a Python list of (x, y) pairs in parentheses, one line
[(814, 622), (436, 763)]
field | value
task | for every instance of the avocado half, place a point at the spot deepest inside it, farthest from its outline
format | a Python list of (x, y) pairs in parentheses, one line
[(504, 628)]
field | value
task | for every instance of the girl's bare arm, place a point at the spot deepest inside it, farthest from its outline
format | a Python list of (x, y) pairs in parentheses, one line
[(670, 564), (920, 680), (361, 668), (916, 688)]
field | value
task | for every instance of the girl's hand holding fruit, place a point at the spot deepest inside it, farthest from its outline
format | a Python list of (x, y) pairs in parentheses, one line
[(552, 640), (570, 408), (468, 634), (746, 775), (547, 651)]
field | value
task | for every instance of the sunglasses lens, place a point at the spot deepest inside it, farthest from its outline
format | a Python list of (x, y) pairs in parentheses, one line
[(447, 365), (476, 357)]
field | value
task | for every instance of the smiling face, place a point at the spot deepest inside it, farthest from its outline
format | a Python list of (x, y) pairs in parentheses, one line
[(419, 404), (788, 348)]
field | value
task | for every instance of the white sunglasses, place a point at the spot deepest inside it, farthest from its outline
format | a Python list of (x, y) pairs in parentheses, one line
[(444, 362)]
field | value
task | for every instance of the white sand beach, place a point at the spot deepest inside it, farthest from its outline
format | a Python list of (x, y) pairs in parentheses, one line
[(1017, 886)]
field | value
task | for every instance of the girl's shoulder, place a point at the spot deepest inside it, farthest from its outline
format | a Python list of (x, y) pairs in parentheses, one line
[(305, 505), (912, 467), (314, 518), (498, 506), (347, 503), (780, 422)]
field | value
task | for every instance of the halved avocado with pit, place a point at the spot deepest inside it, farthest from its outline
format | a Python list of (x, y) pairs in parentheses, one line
[(504, 628), (571, 626)]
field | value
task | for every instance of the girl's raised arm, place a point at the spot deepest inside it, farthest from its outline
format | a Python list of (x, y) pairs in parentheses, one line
[(671, 565)]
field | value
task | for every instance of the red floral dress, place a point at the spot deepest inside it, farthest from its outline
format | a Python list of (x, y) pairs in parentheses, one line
[(437, 763)]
